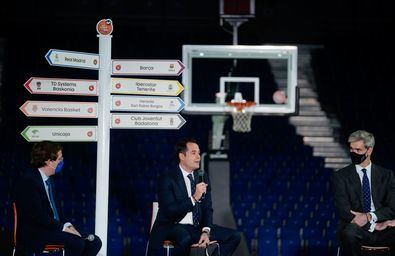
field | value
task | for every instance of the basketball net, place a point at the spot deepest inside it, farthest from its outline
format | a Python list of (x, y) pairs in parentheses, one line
[(242, 113)]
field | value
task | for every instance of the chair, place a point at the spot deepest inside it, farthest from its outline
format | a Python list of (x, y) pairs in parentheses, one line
[(371, 251), (49, 248), (374, 250), (167, 245)]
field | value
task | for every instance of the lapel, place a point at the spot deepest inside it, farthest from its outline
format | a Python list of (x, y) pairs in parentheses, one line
[(180, 182), (196, 176), (375, 183), (40, 184)]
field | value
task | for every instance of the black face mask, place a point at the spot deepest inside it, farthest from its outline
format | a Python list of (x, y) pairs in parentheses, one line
[(357, 158)]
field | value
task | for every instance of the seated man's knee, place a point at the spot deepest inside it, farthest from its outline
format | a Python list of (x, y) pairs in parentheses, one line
[(350, 232), (185, 242), (236, 237), (96, 243), (77, 246)]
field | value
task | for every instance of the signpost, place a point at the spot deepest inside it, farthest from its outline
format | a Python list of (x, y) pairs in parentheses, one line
[(146, 86), (60, 86), (104, 28), (147, 121), (147, 67), (101, 110), (72, 59), (147, 104), (66, 109), (60, 133)]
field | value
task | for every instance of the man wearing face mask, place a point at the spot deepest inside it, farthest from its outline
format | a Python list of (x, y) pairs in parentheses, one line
[(364, 197), (40, 220)]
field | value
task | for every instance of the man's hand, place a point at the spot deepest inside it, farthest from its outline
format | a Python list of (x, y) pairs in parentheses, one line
[(391, 223), (359, 218), (200, 189), (72, 230), (203, 241), (385, 224), (381, 226)]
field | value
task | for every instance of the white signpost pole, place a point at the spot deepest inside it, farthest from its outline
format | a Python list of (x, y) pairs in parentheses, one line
[(103, 133)]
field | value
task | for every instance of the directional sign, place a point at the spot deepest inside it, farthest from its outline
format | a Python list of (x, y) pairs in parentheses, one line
[(146, 86), (72, 59), (60, 109), (59, 86), (147, 67), (60, 133), (147, 121), (147, 103)]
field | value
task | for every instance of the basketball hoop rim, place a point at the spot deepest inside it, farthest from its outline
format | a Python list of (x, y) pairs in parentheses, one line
[(239, 106)]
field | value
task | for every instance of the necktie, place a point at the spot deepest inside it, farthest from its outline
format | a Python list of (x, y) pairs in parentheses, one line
[(51, 198), (195, 212), (366, 192)]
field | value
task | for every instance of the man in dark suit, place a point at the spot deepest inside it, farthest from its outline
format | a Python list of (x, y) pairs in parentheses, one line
[(185, 213), (40, 219), (364, 197)]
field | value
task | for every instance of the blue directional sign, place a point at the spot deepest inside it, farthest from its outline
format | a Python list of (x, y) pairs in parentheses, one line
[(72, 59)]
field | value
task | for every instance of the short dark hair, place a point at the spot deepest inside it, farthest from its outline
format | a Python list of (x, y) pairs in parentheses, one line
[(181, 146), (44, 150)]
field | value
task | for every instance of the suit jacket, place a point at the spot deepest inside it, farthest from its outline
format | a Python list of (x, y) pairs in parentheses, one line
[(174, 204), (347, 193), (34, 211)]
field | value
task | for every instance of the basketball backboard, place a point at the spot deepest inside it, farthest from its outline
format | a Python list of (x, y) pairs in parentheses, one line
[(258, 72)]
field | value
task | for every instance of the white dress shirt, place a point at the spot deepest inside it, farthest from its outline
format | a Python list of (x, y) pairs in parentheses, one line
[(188, 219)]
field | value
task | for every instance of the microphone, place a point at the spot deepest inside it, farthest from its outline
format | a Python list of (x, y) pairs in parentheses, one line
[(90, 238), (201, 173)]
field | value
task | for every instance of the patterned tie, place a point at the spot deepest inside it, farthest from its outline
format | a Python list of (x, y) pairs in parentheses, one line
[(51, 198), (366, 192), (195, 212)]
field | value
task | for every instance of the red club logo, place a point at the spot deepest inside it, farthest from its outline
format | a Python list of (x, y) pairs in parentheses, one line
[(117, 120), (118, 67), (104, 27), (89, 134), (118, 86), (118, 103), (34, 108), (95, 62), (90, 110), (91, 87)]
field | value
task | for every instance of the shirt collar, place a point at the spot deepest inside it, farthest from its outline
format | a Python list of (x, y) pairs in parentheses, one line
[(185, 173), (43, 176), (368, 167)]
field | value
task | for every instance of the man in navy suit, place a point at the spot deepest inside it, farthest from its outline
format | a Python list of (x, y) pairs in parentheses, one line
[(40, 220), (364, 197), (185, 214)]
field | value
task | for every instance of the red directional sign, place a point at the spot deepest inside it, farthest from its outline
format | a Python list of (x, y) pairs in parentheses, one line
[(65, 109), (60, 86)]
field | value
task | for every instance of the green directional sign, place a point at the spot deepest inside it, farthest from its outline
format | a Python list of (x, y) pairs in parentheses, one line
[(60, 133)]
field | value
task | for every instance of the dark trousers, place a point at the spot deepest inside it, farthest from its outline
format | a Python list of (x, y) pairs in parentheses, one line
[(183, 236), (352, 237), (74, 245)]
